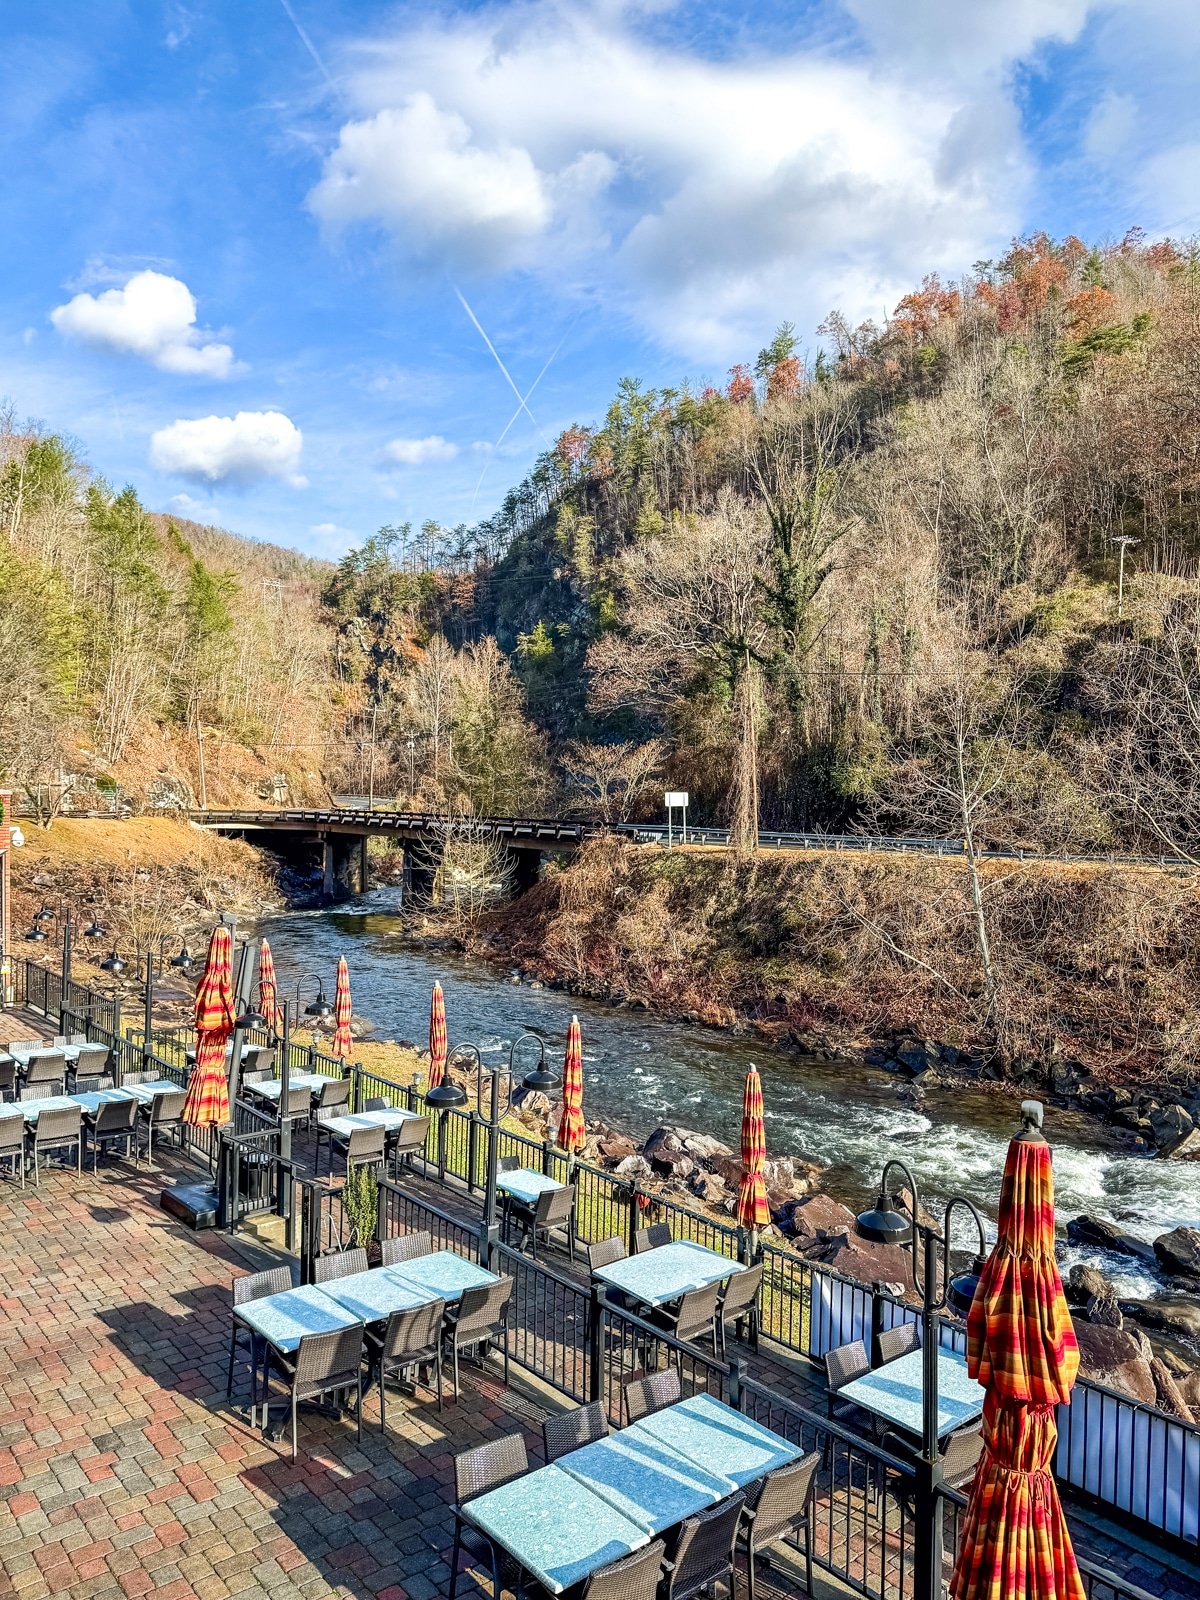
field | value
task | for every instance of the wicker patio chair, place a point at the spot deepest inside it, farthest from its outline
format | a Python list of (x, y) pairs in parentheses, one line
[(377, 1103), (508, 1164), (12, 1144), (406, 1247), (693, 1317), (333, 1094), (487, 1466), (571, 1430), (605, 1252), (739, 1303), (648, 1393), (94, 1086), (55, 1130), (324, 1363), (252, 1286), (651, 1238), (634, 1577), (339, 1264), (481, 1314), (92, 1060), (409, 1339), (365, 1147), (164, 1113), (111, 1122), (703, 1551), (777, 1507), (842, 1365), (8, 1077), (404, 1142), (48, 1066), (553, 1209), (896, 1342)]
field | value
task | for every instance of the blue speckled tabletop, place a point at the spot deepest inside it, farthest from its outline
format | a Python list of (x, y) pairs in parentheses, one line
[(894, 1391), (658, 1276), (525, 1184), (23, 1057), (644, 1480), (443, 1273), (92, 1102), (283, 1319), (29, 1109), (146, 1091), (711, 1435), (373, 1296), (345, 1126), (272, 1088), (556, 1528)]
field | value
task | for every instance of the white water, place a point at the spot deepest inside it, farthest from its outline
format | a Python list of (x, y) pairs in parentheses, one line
[(640, 1070)]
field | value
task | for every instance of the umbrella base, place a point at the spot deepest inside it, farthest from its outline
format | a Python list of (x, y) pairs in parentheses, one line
[(192, 1203)]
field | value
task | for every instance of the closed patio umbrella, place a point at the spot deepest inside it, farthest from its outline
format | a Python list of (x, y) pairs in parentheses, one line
[(342, 1012), (571, 1132), (268, 993), (1022, 1348), (206, 1104), (752, 1209), (437, 1037)]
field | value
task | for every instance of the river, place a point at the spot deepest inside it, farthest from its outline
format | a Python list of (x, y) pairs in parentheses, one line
[(641, 1070)]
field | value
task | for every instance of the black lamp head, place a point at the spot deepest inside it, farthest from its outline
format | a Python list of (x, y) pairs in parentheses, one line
[(183, 961), (37, 934), (94, 930), (960, 1291), (542, 1077), (251, 1019), (446, 1095), (43, 914), (884, 1224), (113, 963)]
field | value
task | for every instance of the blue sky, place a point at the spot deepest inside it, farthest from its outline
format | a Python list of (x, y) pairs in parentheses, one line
[(244, 240)]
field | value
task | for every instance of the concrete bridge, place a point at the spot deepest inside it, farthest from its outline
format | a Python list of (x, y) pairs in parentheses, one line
[(336, 841)]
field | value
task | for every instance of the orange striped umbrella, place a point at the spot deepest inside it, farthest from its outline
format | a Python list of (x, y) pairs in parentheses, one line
[(268, 994), (437, 1037), (752, 1209), (206, 1104), (570, 1125), (342, 1044), (1022, 1348)]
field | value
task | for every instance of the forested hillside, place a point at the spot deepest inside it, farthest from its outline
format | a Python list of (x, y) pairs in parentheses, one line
[(872, 588), (875, 588)]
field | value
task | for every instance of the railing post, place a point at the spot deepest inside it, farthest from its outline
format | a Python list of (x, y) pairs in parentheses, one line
[(547, 1153), (472, 1148), (734, 1379), (356, 1089), (489, 1238), (633, 1216), (595, 1344)]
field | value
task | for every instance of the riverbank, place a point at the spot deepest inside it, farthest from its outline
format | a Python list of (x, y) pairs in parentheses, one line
[(873, 958)]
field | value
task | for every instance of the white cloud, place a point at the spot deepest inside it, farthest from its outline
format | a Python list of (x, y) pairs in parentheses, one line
[(152, 316), (419, 170), (236, 450), (706, 199), (185, 505), (419, 452)]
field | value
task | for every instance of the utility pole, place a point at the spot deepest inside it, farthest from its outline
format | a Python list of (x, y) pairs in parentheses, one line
[(412, 746), (1123, 543), (371, 777), (200, 753)]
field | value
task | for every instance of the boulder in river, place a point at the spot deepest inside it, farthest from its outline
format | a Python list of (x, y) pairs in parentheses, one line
[(1107, 1236), (1113, 1357), (615, 1147), (1085, 1283), (1178, 1252), (1175, 1132), (1173, 1314), (1168, 1395), (1102, 1309)]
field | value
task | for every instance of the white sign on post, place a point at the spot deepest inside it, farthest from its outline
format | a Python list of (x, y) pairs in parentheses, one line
[(676, 799)]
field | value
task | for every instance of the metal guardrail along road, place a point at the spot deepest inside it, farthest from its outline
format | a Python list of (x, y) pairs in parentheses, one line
[(532, 832)]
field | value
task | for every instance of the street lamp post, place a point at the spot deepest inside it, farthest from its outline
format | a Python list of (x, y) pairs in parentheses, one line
[(886, 1223)]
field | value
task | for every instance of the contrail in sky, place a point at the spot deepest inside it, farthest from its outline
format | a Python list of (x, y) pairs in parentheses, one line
[(495, 356), (307, 43), (517, 412)]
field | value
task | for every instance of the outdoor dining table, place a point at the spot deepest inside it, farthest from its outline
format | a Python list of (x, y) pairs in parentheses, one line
[(373, 1295), (557, 1529), (272, 1088), (717, 1439), (389, 1120), (894, 1392), (91, 1101), (656, 1277), (644, 1480), (443, 1274), (523, 1183), (25, 1056), (30, 1109)]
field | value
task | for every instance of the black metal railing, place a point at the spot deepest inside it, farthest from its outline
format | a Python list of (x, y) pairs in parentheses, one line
[(403, 1212)]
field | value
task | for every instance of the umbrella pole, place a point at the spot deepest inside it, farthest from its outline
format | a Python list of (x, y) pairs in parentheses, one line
[(927, 1519), (285, 1069)]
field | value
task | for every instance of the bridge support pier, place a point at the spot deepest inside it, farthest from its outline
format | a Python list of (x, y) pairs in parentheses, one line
[(524, 869), (420, 873)]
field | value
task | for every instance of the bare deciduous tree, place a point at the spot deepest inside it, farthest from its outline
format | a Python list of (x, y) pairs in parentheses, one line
[(609, 779)]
